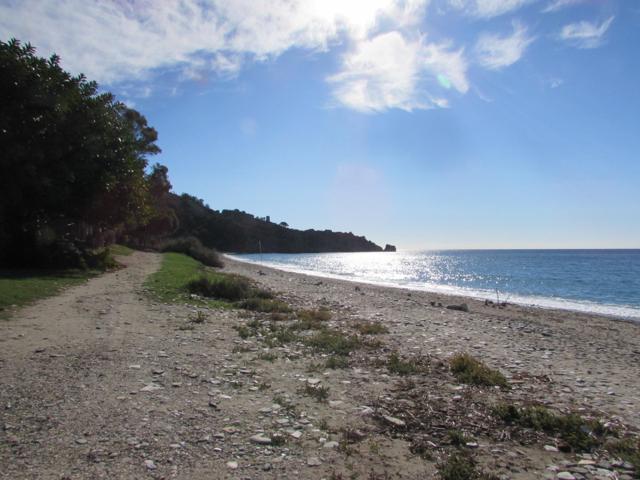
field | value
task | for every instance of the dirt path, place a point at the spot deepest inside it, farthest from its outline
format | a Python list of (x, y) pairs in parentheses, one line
[(102, 382)]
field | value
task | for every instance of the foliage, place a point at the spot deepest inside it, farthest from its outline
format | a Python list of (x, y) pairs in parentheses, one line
[(581, 435), (73, 160), (227, 287), (169, 283), (470, 370), (371, 328), (266, 305), (462, 467), (334, 341), (193, 247), (120, 250), (400, 366)]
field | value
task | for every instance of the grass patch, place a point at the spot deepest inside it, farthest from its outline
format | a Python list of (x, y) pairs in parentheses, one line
[(581, 434), (628, 449), (319, 393), (21, 287), (121, 250), (192, 247), (458, 438), (336, 362), (472, 371), (320, 315), (400, 366), (371, 328), (223, 287), (461, 467), (333, 342), (169, 284), (266, 305)]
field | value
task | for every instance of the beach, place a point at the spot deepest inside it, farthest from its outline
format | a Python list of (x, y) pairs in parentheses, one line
[(103, 382)]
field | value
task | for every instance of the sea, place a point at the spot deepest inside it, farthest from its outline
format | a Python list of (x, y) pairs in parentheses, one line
[(596, 281)]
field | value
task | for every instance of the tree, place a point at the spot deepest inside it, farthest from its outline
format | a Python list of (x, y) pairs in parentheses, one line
[(73, 159)]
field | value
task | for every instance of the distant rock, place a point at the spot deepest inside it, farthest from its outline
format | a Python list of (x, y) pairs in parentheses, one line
[(389, 248), (260, 439), (463, 307)]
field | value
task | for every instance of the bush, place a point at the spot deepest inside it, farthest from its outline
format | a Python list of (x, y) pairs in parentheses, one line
[(266, 305), (193, 247), (335, 342), (470, 370), (228, 287)]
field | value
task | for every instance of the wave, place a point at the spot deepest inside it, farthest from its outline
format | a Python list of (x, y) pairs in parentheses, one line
[(584, 306)]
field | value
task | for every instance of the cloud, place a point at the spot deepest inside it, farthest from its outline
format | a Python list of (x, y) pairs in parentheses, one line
[(488, 8), (495, 52), (585, 34), (119, 40), (389, 71), (556, 5)]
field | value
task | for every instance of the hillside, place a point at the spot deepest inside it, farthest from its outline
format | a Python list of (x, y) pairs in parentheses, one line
[(240, 232)]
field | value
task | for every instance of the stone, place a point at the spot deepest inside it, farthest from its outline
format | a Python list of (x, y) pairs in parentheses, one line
[(152, 387), (332, 444), (296, 434), (463, 307), (260, 439), (565, 476), (550, 448), (232, 465), (314, 462), (394, 421), (81, 441), (150, 464)]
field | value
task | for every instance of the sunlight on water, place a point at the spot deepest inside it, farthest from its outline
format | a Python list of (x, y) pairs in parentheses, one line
[(599, 281)]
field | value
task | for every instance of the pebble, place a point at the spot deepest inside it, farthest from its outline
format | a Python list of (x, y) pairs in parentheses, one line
[(332, 444), (565, 476), (314, 462), (150, 464), (260, 439), (550, 448), (395, 421), (232, 465)]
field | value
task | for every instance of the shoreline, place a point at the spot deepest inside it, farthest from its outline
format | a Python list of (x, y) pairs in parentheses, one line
[(461, 297)]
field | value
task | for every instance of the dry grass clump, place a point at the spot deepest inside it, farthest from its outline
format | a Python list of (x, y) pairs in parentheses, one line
[(318, 392), (267, 305), (334, 342), (410, 366), (472, 371), (462, 467), (580, 434), (371, 328)]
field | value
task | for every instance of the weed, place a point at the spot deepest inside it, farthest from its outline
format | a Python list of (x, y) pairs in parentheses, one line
[(320, 393), (192, 247), (268, 356), (334, 341), (399, 366), (336, 362), (371, 328), (225, 287), (461, 467), (278, 439), (628, 449), (321, 315), (470, 370), (458, 438), (243, 331), (199, 317), (580, 434), (266, 305)]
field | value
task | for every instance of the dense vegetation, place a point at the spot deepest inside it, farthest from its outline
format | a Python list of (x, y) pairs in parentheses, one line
[(76, 178), (236, 231), (73, 163)]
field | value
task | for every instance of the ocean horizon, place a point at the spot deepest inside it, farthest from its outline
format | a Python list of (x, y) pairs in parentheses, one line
[(599, 281)]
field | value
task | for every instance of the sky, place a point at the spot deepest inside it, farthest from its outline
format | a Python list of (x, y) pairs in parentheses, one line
[(422, 123)]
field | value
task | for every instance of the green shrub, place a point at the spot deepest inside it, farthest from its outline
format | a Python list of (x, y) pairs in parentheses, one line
[(371, 328), (399, 366), (580, 434), (333, 341), (462, 467), (227, 287), (266, 305), (193, 247), (320, 315), (468, 369), (336, 362), (316, 391)]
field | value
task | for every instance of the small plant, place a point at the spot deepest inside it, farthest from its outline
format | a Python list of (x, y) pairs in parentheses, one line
[(268, 356), (462, 467), (580, 434), (193, 247), (371, 328), (334, 341), (320, 393), (321, 315), (457, 438), (628, 449), (472, 371), (400, 366), (266, 305), (199, 317), (227, 287), (278, 440), (335, 362), (243, 331)]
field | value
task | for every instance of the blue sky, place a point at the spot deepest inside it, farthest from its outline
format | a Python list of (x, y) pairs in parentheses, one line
[(428, 124)]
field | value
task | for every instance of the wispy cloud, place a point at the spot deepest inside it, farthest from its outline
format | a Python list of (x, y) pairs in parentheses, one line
[(389, 71), (488, 8), (556, 5), (585, 34), (496, 52)]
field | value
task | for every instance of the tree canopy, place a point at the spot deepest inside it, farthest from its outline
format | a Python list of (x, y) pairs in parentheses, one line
[(73, 158)]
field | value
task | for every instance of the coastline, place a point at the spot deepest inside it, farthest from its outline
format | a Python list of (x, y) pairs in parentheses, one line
[(623, 313), (591, 359)]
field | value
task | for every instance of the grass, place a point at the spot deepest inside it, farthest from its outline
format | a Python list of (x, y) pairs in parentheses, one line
[(121, 250), (335, 362), (472, 371), (21, 287), (400, 366), (169, 284), (321, 394), (371, 328), (192, 247), (627, 449), (266, 305), (334, 342), (320, 315), (581, 434), (461, 467)]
